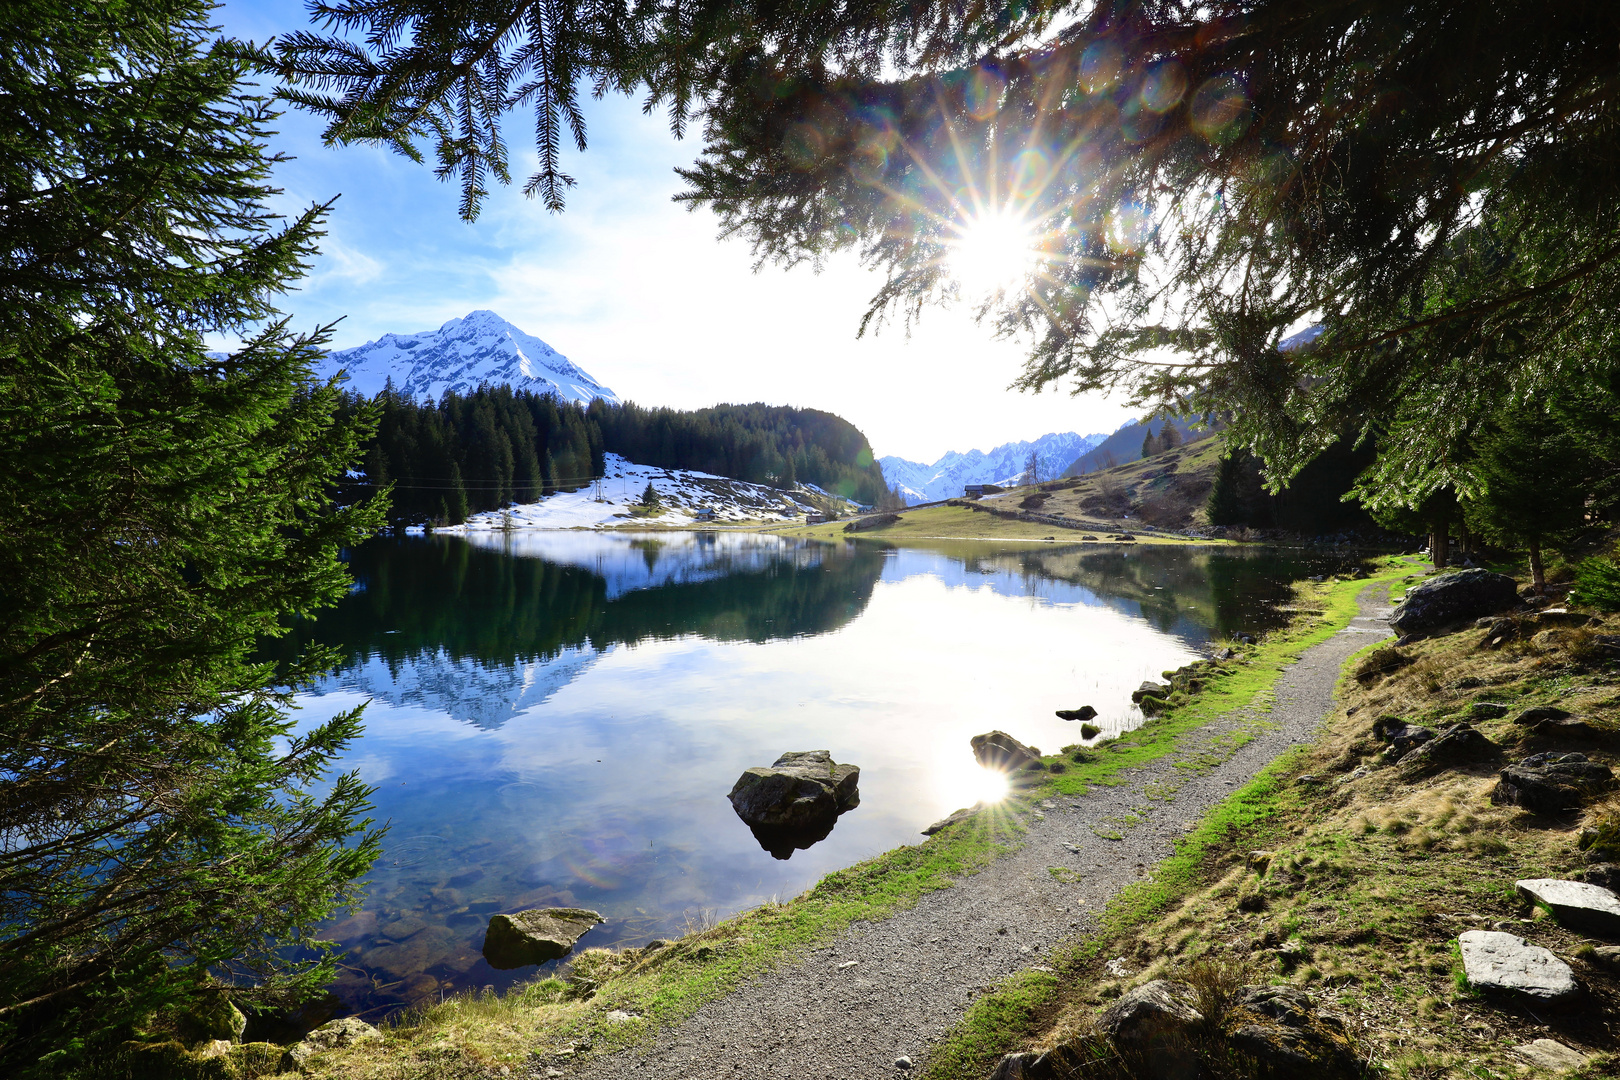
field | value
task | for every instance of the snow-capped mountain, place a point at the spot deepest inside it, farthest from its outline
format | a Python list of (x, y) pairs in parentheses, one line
[(461, 355), (1003, 465)]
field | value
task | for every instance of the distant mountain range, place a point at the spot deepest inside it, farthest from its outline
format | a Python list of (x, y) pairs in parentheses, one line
[(462, 355), (1003, 465)]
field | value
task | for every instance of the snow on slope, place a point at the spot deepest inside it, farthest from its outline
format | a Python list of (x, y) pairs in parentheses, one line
[(1003, 465), (460, 356), (683, 494)]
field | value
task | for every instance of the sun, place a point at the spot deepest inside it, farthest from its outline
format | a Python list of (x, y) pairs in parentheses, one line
[(992, 253)]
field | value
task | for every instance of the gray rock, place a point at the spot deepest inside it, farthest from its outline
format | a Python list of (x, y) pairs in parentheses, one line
[(535, 936), (1279, 1027), (1150, 689), (802, 789), (1402, 737), (1608, 956), (1024, 1065), (1552, 783), (1532, 717), (998, 750), (1454, 598), (1496, 962), (1155, 1018), (1550, 1054), (902, 1062), (955, 818), (329, 1036), (1606, 874), (1083, 713), (1579, 905), (1459, 744)]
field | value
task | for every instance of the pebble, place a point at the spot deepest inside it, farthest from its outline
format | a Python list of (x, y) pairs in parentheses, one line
[(847, 964), (902, 1063)]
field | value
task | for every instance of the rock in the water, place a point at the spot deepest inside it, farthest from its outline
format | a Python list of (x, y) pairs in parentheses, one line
[(783, 840), (1550, 1054), (535, 936), (1155, 1018), (1579, 905), (800, 787), (1083, 713), (1454, 598), (959, 816), (1459, 744), (1150, 689), (998, 750), (329, 1036), (1552, 783), (1495, 962)]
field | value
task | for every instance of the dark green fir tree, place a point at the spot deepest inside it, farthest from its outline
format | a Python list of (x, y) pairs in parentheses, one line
[(163, 828)]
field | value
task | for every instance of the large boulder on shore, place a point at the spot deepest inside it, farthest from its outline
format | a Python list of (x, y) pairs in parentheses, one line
[(803, 789), (1552, 783), (1454, 598), (535, 936), (1459, 744), (999, 750)]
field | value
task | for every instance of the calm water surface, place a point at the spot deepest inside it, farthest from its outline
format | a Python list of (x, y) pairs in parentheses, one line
[(556, 718)]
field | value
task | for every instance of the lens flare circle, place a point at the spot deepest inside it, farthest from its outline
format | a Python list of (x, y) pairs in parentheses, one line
[(992, 253)]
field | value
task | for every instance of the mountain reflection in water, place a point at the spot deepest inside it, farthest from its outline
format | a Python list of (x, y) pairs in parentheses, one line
[(556, 718)]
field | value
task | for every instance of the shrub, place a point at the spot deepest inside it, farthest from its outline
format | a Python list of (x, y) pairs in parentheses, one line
[(1597, 584)]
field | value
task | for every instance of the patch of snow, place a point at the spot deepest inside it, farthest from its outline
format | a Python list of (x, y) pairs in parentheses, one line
[(684, 494)]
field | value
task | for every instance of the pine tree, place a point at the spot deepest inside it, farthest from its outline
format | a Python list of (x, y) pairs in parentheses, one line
[(162, 510), (1150, 445), (1169, 435), (457, 499), (649, 497), (1533, 484), (1225, 506)]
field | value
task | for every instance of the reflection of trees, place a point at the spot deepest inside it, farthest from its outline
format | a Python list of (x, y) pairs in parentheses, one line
[(445, 595), (1226, 590)]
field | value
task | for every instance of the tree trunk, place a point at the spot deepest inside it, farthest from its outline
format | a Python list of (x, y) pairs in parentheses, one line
[(1440, 547), (1538, 575)]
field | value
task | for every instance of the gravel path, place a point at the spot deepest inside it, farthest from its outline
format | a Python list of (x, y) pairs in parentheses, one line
[(890, 989)]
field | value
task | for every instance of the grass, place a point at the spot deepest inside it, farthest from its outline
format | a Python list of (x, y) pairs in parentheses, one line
[(1365, 886)]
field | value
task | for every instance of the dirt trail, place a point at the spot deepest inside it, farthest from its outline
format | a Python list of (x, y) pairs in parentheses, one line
[(889, 990)]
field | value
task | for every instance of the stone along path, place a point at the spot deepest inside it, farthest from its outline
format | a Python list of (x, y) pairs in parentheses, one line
[(887, 991)]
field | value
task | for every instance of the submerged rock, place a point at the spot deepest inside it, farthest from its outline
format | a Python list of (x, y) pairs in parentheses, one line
[(1083, 713), (999, 750), (1454, 598), (1552, 783), (1495, 962), (795, 801), (535, 936), (1579, 905)]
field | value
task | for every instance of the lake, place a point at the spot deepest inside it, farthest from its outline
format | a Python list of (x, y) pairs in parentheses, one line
[(556, 718)]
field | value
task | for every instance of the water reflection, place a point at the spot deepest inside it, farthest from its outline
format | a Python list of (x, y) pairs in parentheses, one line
[(557, 721)]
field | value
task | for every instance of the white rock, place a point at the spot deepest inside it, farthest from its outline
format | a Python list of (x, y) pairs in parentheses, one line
[(1506, 963), (1591, 909), (1550, 1054)]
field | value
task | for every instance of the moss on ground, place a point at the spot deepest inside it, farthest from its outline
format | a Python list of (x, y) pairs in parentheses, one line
[(1355, 888)]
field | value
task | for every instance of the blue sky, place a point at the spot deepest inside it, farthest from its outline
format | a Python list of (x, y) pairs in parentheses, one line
[(638, 290)]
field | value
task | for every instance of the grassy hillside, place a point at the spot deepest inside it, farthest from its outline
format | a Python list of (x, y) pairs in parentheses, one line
[(1350, 878)]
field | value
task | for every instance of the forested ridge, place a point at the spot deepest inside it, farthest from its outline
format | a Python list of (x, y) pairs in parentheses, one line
[(496, 446)]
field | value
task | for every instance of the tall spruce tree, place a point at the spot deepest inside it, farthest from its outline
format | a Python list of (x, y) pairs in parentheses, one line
[(1533, 485), (162, 508)]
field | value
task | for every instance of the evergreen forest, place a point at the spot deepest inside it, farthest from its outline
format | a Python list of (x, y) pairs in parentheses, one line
[(465, 454)]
